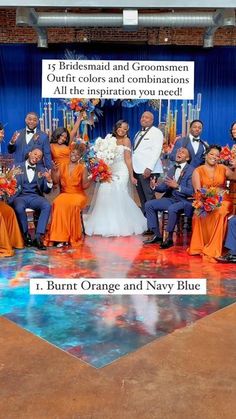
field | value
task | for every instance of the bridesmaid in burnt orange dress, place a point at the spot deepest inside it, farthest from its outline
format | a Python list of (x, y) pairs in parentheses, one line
[(66, 211), (209, 231), (61, 141), (10, 235)]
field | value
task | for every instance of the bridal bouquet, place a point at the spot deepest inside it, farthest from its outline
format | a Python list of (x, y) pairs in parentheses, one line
[(100, 171), (207, 200), (8, 183), (105, 148), (227, 155)]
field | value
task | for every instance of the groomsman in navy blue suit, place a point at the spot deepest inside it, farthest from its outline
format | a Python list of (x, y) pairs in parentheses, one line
[(177, 188), (32, 183), (195, 145), (230, 243), (28, 139)]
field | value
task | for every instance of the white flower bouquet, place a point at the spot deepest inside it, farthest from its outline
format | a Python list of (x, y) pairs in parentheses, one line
[(105, 148)]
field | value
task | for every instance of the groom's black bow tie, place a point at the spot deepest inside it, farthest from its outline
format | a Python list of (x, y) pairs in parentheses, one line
[(196, 139), (31, 167), (177, 166), (30, 131)]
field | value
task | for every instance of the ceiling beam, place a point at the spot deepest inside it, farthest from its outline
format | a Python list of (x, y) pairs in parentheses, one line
[(137, 4)]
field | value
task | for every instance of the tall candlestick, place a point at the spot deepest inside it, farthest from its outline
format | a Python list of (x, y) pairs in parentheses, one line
[(175, 124), (159, 111), (64, 118), (45, 116), (199, 101), (183, 121), (54, 110), (50, 117), (53, 124), (168, 108), (41, 122)]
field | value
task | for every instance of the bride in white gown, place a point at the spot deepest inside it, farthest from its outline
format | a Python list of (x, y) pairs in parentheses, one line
[(114, 212)]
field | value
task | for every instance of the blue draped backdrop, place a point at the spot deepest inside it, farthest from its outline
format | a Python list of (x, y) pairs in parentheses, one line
[(215, 70)]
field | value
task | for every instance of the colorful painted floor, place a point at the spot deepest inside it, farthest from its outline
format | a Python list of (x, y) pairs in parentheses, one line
[(101, 329)]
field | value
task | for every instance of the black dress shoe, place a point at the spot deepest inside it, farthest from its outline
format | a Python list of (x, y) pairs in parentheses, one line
[(154, 239), (166, 244), (228, 258), (147, 232), (27, 240), (39, 244)]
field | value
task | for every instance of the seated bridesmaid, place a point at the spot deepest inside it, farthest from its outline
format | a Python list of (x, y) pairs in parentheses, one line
[(61, 140), (66, 225), (10, 235), (209, 230)]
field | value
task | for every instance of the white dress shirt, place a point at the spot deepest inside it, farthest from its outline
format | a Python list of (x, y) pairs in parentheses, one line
[(29, 172), (29, 136), (195, 144), (179, 170)]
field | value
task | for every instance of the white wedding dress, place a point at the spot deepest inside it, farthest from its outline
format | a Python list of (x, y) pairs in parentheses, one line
[(115, 213)]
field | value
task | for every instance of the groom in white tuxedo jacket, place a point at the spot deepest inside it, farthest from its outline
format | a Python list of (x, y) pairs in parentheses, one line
[(147, 148)]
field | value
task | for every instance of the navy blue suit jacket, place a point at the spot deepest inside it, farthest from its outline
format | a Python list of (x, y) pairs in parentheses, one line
[(196, 159), (21, 148), (42, 186), (185, 183)]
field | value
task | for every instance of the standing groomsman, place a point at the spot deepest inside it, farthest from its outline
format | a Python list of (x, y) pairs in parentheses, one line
[(147, 150), (25, 140), (194, 144)]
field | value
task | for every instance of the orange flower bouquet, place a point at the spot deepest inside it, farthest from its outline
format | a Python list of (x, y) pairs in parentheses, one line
[(207, 200), (87, 106), (8, 183), (227, 155), (99, 170)]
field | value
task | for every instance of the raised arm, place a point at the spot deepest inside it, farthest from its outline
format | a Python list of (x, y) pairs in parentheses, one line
[(55, 174), (11, 147), (86, 180), (75, 128), (47, 157), (196, 180), (231, 171)]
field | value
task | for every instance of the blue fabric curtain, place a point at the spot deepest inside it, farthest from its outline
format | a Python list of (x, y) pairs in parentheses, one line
[(215, 69)]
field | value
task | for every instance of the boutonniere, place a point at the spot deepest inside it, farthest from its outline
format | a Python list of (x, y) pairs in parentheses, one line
[(40, 175), (35, 137)]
